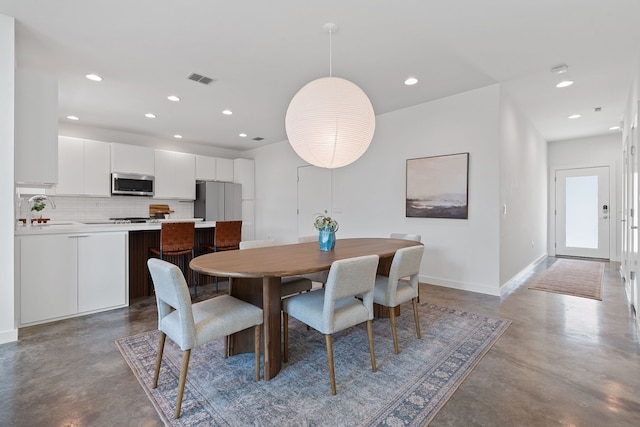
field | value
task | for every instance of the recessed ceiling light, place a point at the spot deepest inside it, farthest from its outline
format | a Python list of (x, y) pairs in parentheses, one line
[(614, 128), (227, 112), (94, 77), (243, 135), (72, 118), (411, 81), (173, 98), (150, 115), (177, 136), (565, 83), (575, 116)]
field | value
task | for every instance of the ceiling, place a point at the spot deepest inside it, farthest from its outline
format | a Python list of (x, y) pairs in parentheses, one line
[(260, 53)]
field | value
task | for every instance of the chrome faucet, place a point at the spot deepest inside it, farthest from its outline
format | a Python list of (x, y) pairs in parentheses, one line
[(38, 198)]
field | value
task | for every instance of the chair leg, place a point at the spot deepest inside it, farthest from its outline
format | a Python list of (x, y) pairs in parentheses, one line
[(374, 368), (415, 315), (258, 339), (332, 373), (285, 327), (183, 380), (194, 277), (392, 316), (161, 341)]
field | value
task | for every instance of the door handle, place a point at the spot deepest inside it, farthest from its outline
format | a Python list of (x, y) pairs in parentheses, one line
[(634, 227)]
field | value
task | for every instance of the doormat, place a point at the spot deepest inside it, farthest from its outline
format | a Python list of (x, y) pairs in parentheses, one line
[(579, 278)]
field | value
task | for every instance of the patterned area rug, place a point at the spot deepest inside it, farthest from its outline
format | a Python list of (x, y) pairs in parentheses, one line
[(574, 277), (408, 389)]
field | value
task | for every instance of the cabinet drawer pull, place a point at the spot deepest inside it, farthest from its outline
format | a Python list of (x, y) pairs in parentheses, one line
[(78, 235)]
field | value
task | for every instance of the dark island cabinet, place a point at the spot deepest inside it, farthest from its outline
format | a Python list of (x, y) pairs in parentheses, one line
[(139, 244)]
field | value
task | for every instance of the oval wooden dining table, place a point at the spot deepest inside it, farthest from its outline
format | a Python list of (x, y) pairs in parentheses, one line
[(255, 276)]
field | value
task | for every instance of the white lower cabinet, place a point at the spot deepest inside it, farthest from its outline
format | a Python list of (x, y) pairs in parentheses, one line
[(64, 275), (48, 278)]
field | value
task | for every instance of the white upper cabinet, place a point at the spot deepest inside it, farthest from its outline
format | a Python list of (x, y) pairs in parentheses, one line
[(70, 165), (36, 127), (224, 170), (127, 158), (244, 173), (205, 168), (175, 175), (83, 167), (214, 169), (97, 181)]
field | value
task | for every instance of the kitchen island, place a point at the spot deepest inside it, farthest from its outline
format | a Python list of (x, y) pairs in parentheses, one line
[(70, 268)]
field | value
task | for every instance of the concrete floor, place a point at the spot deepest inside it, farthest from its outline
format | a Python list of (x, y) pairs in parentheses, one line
[(564, 361)]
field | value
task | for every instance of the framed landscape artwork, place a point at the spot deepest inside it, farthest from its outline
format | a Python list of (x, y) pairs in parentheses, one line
[(437, 187)]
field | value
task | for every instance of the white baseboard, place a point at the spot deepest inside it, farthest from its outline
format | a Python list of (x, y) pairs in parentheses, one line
[(514, 281), (463, 286), (8, 336)]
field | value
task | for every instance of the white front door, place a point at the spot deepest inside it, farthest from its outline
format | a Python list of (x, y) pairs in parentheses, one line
[(583, 212), (314, 197)]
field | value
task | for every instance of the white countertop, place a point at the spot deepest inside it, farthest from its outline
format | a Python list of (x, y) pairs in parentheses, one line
[(90, 226)]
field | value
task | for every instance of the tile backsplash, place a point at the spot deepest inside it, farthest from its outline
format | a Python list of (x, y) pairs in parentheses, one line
[(96, 208)]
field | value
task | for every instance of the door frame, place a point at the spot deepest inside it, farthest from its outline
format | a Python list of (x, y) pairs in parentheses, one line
[(614, 214)]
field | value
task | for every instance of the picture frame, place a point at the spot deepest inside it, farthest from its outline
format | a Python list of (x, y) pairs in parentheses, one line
[(438, 187)]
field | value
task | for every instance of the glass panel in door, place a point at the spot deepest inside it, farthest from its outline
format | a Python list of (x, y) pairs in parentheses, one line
[(583, 212)]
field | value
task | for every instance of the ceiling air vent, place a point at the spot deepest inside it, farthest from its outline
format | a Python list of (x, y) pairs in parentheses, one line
[(200, 78), (258, 138)]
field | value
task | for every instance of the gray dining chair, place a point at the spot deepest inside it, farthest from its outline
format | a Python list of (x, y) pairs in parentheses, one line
[(392, 291), (336, 307), (318, 276), (191, 325), (289, 285), (403, 236), (413, 237)]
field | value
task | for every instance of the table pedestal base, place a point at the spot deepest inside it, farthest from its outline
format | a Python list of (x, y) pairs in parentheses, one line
[(264, 293)]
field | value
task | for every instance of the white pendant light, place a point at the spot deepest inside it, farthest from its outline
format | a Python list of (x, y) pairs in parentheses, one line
[(330, 121)]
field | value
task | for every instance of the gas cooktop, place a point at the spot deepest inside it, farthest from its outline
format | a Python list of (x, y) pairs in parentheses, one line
[(130, 220)]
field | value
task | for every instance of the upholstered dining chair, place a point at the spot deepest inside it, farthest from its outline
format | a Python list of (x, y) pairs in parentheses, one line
[(392, 291), (414, 237), (290, 285), (191, 325), (226, 237), (336, 307), (177, 240), (319, 276)]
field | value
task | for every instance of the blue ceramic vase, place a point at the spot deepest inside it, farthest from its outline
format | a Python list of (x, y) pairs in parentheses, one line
[(327, 239)]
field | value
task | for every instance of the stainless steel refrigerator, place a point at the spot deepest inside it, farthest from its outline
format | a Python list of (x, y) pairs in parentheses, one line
[(218, 201)]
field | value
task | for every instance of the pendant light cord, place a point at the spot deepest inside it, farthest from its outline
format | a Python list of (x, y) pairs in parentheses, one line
[(330, 53)]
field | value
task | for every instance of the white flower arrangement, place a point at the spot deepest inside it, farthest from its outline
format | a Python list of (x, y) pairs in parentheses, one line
[(325, 222)]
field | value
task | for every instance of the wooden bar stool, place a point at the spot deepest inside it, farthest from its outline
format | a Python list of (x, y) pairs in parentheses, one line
[(177, 239), (226, 237)]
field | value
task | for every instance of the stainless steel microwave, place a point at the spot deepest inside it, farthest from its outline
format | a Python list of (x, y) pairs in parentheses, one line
[(132, 184)]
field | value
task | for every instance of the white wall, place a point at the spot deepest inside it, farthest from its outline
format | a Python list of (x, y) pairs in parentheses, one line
[(523, 193), (8, 329), (603, 150), (369, 195)]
